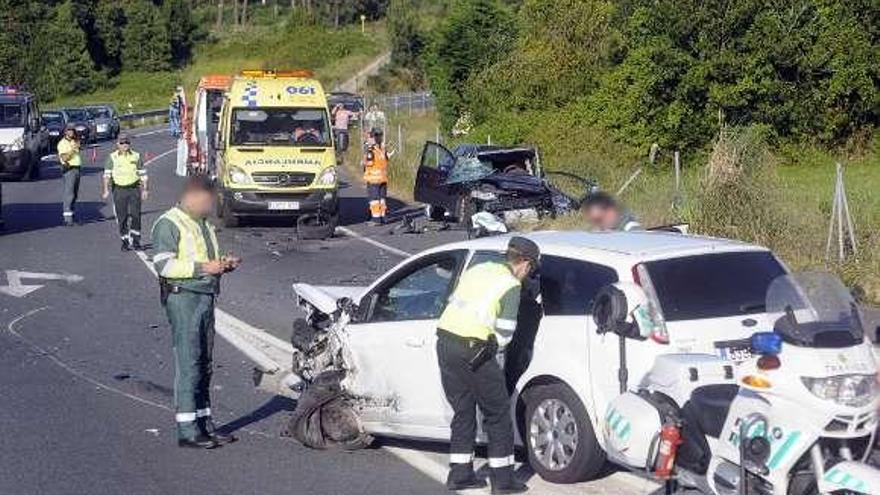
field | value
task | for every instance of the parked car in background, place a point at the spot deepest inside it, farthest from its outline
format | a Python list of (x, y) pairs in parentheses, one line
[(83, 123), (106, 120), (54, 121), (470, 178), (23, 139)]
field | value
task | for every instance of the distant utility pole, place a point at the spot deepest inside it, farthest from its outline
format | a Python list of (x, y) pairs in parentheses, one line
[(841, 222)]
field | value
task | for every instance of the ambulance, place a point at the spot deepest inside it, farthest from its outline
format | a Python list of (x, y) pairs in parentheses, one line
[(275, 152), (201, 133)]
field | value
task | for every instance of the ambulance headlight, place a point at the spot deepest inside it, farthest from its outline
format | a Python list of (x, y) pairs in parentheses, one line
[(327, 177), (847, 390), (239, 176)]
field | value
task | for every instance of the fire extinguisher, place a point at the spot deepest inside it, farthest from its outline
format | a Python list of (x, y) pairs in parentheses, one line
[(670, 439)]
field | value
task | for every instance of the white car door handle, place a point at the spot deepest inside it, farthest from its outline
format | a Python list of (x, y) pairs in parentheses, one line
[(415, 342)]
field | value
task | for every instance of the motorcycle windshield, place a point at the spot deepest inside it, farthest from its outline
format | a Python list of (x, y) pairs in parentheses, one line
[(814, 310)]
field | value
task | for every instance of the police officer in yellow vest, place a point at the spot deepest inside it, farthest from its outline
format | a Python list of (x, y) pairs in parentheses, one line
[(70, 159), (189, 263), (124, 172), (479, 318)]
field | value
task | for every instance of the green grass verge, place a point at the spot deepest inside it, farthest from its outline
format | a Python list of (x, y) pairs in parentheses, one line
[(333, 55)]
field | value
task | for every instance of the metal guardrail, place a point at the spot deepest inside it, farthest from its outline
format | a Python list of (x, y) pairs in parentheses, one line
[(134, 119)]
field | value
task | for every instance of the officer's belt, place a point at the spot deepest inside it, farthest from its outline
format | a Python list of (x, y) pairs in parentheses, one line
[(469, 342), (129, 186)]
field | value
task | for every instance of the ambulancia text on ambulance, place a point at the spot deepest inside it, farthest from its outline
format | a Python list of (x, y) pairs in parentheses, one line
[(275, 153)]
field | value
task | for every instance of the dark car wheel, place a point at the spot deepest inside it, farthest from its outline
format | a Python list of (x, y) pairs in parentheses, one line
[(33, 171), (435, 213), (559, 436)]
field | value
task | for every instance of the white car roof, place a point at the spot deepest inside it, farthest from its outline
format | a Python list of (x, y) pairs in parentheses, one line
[(634, 246)]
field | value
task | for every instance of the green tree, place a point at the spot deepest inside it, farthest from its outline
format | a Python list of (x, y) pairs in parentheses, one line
[(109, 23), (146, 42), (180, 27), (474, 35), (67, 66), (407, 40)]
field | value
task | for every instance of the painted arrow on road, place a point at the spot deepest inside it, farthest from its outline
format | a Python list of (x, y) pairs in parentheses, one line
[(15, 288)]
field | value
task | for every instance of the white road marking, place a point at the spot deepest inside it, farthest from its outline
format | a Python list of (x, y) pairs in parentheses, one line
[(160, 155), (11, 328), (150, 133), (15, 288), (380, 245)]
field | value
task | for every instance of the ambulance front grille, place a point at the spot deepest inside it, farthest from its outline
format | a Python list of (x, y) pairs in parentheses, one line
[(283, 179)]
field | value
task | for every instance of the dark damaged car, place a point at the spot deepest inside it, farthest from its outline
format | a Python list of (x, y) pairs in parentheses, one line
[(505, 181)]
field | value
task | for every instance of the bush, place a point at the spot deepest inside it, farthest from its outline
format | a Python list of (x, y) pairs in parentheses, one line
[(737, 195)]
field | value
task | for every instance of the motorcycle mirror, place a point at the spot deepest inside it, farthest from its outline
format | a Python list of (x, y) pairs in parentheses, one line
[(766, 343), (610, 311)]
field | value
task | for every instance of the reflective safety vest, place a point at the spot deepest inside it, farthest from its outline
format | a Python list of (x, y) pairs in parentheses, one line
[(376, 165), (69, 146), (473, 309), (125, 168), (192, 248)]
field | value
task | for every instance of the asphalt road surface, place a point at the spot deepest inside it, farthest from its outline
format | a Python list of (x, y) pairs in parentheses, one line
[(85, 353)]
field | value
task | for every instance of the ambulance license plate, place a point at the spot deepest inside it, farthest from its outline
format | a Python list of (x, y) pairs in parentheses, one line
[(283, 205)]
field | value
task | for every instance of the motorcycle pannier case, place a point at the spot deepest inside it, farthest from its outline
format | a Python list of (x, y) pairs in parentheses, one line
[(630, 428)]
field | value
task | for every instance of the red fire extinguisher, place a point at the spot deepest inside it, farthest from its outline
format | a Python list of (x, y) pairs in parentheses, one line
[(670, 439)]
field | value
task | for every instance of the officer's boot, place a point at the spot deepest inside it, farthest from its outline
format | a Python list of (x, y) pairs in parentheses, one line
[(126, 246), (504, 481), (206, 426), (136, 242), (462, 477)]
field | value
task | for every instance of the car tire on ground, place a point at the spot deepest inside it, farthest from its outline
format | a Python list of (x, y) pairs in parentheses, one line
[(314, 226), (230, 219), (559, 436)]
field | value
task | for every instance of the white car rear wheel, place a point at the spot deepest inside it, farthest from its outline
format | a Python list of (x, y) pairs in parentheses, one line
[(559, 436)]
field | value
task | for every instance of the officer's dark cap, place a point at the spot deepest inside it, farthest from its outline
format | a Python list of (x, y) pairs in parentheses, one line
[(198, 183), (525, 248), (375, 132)]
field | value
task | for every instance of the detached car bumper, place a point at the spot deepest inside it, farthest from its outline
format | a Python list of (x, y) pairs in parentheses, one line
[(260, 203)]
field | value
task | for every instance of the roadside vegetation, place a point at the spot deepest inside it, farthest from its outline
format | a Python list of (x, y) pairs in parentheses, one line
[(134, 53), (761, 100)]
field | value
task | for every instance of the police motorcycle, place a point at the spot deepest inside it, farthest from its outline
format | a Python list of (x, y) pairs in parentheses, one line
[(797, 415)]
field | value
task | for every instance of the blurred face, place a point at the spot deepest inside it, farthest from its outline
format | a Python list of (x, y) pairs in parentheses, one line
[(198, 203), (521, 269), (124, 146), (69, 133), (602, 218)]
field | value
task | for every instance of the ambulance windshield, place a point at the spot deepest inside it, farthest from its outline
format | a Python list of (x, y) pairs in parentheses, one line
[(280, 127)]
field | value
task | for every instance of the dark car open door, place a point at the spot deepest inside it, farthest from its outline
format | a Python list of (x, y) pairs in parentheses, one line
[(434, 166)]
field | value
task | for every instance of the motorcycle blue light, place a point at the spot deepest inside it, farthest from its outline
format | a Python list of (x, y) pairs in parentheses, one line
[(766, 343)]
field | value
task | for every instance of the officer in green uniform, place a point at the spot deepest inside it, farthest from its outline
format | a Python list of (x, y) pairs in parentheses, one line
[(479, 318), (124, 172), (189, 263)]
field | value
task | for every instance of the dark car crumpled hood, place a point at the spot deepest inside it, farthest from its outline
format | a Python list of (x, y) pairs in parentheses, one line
[(522, 183)]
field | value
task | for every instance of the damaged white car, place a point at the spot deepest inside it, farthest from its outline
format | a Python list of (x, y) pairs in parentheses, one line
[(367, 357)]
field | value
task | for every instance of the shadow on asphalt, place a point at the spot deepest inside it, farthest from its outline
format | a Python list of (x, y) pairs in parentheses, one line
[(27, 217), (273, 406)]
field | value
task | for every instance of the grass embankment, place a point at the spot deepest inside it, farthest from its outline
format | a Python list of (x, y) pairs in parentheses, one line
[(333, 55)]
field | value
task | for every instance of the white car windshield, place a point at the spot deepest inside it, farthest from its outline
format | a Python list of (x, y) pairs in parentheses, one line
[(280, 127)]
